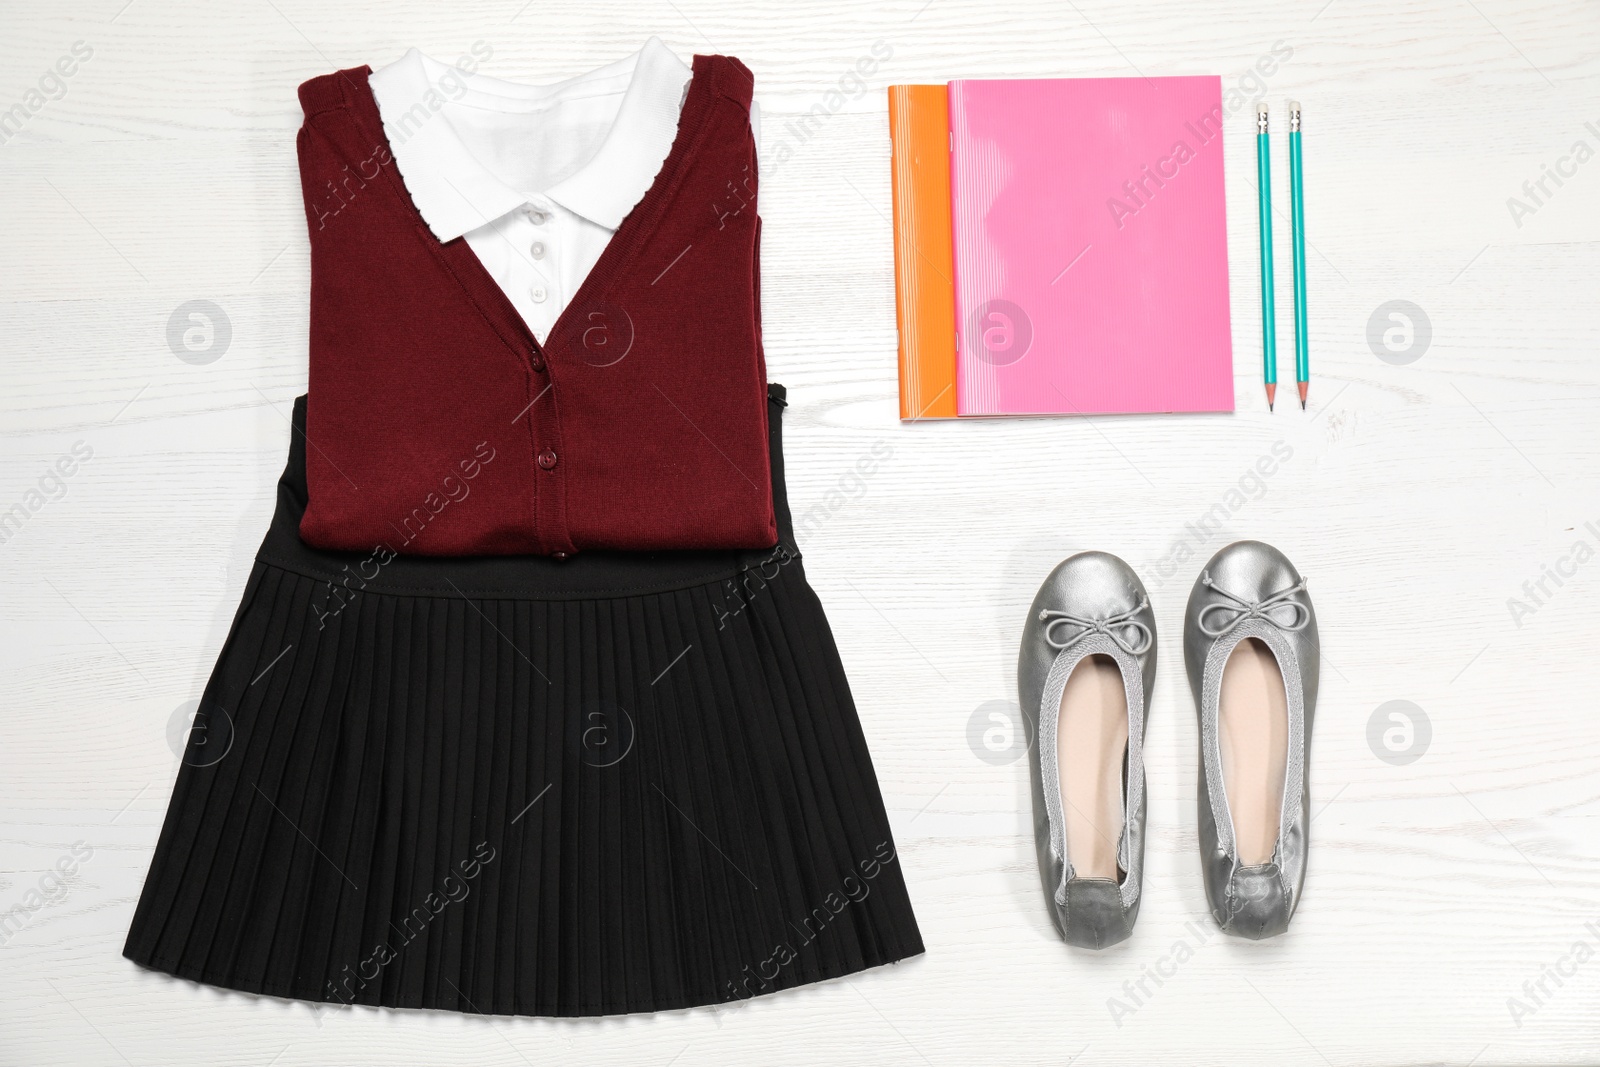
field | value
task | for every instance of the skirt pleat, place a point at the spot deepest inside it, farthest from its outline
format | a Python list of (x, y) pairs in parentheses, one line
[(484, 787)]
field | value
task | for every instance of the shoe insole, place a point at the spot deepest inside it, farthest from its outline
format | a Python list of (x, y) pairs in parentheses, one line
[(1253, 733), (1091, 746)]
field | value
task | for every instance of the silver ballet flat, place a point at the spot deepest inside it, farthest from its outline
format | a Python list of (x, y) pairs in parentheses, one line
[(1084, 675), (1250, 645)]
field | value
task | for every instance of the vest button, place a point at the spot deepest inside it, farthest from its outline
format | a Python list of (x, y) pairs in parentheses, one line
[(536, 362), (547, 459)]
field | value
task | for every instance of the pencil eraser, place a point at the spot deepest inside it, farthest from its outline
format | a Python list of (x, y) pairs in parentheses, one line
[(1261, 108), (1294, 105)]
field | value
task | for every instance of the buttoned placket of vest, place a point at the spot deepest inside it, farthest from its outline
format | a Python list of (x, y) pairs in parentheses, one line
[(543, 291), (548, 491)]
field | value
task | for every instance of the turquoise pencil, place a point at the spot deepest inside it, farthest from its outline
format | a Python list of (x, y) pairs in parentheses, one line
[(1269, 343), (1302, 339)]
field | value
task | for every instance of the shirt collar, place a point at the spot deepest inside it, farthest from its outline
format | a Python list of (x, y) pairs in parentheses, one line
[(455, 193)]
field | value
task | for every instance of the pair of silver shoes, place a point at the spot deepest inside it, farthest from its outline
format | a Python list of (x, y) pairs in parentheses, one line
[(1084, 676)]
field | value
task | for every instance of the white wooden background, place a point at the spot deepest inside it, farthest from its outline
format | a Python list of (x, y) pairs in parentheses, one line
[(1419, 499)]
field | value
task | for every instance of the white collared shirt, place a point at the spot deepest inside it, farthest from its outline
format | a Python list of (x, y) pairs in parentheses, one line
[(537, 178)]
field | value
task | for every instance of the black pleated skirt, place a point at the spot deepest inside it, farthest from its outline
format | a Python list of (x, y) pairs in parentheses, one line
[(619, 783)]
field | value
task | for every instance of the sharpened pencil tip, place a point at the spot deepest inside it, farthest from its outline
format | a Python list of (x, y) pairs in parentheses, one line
[(1272, 394), (1302, 405)]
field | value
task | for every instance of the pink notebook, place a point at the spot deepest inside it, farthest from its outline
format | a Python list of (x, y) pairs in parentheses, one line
[(1091, 246)]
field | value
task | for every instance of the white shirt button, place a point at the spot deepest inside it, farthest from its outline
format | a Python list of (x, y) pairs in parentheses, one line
[(538, 294), (537, 216), (537, 249)]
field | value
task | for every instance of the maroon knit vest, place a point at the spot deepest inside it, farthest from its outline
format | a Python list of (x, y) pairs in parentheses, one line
[(436, 425)]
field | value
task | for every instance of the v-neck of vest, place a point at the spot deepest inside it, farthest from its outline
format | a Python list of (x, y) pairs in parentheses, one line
[(480, 286)]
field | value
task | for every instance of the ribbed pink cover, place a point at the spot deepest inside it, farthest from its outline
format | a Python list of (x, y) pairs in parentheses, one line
[(1091, 246)]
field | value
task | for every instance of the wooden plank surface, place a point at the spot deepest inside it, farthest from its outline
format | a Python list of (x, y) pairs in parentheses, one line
[(1422, 499)]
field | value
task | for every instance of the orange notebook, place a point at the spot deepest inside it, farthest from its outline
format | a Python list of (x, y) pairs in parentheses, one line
[(924, 264)]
